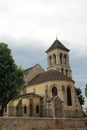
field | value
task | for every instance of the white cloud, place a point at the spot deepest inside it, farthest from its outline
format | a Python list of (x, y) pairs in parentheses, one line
[(41, 20), (29, 27), (22, 17)]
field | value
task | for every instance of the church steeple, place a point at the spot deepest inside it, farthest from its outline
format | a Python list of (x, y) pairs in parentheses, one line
[(57, 45), (58, 58)]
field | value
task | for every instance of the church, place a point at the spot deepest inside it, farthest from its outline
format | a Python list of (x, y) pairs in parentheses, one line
[(49, 93)]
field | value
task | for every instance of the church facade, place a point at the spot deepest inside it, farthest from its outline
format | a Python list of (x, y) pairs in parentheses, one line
[(48, 93)]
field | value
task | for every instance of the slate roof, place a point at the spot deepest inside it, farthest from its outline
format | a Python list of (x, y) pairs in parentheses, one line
[(57, 44), (50, 75)]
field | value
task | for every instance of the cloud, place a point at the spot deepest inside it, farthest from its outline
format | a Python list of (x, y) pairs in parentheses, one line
[(26, 52), (29, 27), (40, 20)]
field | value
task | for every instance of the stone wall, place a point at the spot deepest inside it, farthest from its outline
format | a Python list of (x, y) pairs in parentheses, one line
[(13, 123)]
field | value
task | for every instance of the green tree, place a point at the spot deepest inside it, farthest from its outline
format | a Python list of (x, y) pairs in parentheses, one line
[(79, 95), (86, 90), (11, 77)]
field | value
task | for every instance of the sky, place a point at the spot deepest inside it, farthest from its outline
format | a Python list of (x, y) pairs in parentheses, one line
[(29, 27)]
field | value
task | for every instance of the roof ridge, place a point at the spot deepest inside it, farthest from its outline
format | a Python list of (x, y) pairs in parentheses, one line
[(33, 67)]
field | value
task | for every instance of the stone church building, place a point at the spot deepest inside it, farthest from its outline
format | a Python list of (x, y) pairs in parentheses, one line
[(48, 93)]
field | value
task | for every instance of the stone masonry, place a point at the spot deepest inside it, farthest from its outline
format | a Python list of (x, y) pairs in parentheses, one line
[(26, 123)]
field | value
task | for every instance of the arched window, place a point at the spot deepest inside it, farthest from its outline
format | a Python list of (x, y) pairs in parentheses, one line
[(60, 58), (66, 72), (25, 109), (62, 71), (31, 106), (54, 56), (65, 59), (54, 91), (37, 109), (69, 100), (50, 60)]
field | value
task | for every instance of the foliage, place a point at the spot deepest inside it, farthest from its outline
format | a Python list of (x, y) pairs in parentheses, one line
[(11, 77), (80, 96), (86, 90)]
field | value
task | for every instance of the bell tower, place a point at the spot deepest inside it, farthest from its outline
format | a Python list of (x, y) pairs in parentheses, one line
[(58, 58)]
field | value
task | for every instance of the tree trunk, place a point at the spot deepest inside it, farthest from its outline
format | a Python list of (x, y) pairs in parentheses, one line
[(1, 110)]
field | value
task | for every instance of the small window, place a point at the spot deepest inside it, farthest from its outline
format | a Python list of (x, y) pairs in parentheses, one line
[(54, 56), (37, 109), (50, 60), (54, 91), (65, 59), (62, 71), (76, 110), (25, 109), (66, 72), (61, 58), (69, 100)]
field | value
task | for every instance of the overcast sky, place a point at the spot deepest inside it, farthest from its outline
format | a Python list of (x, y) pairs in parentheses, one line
[(29, 27)]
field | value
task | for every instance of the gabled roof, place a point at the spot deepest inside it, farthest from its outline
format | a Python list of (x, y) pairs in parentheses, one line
[(51, 75), (57, 45), (31, 68), (30, 73)]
